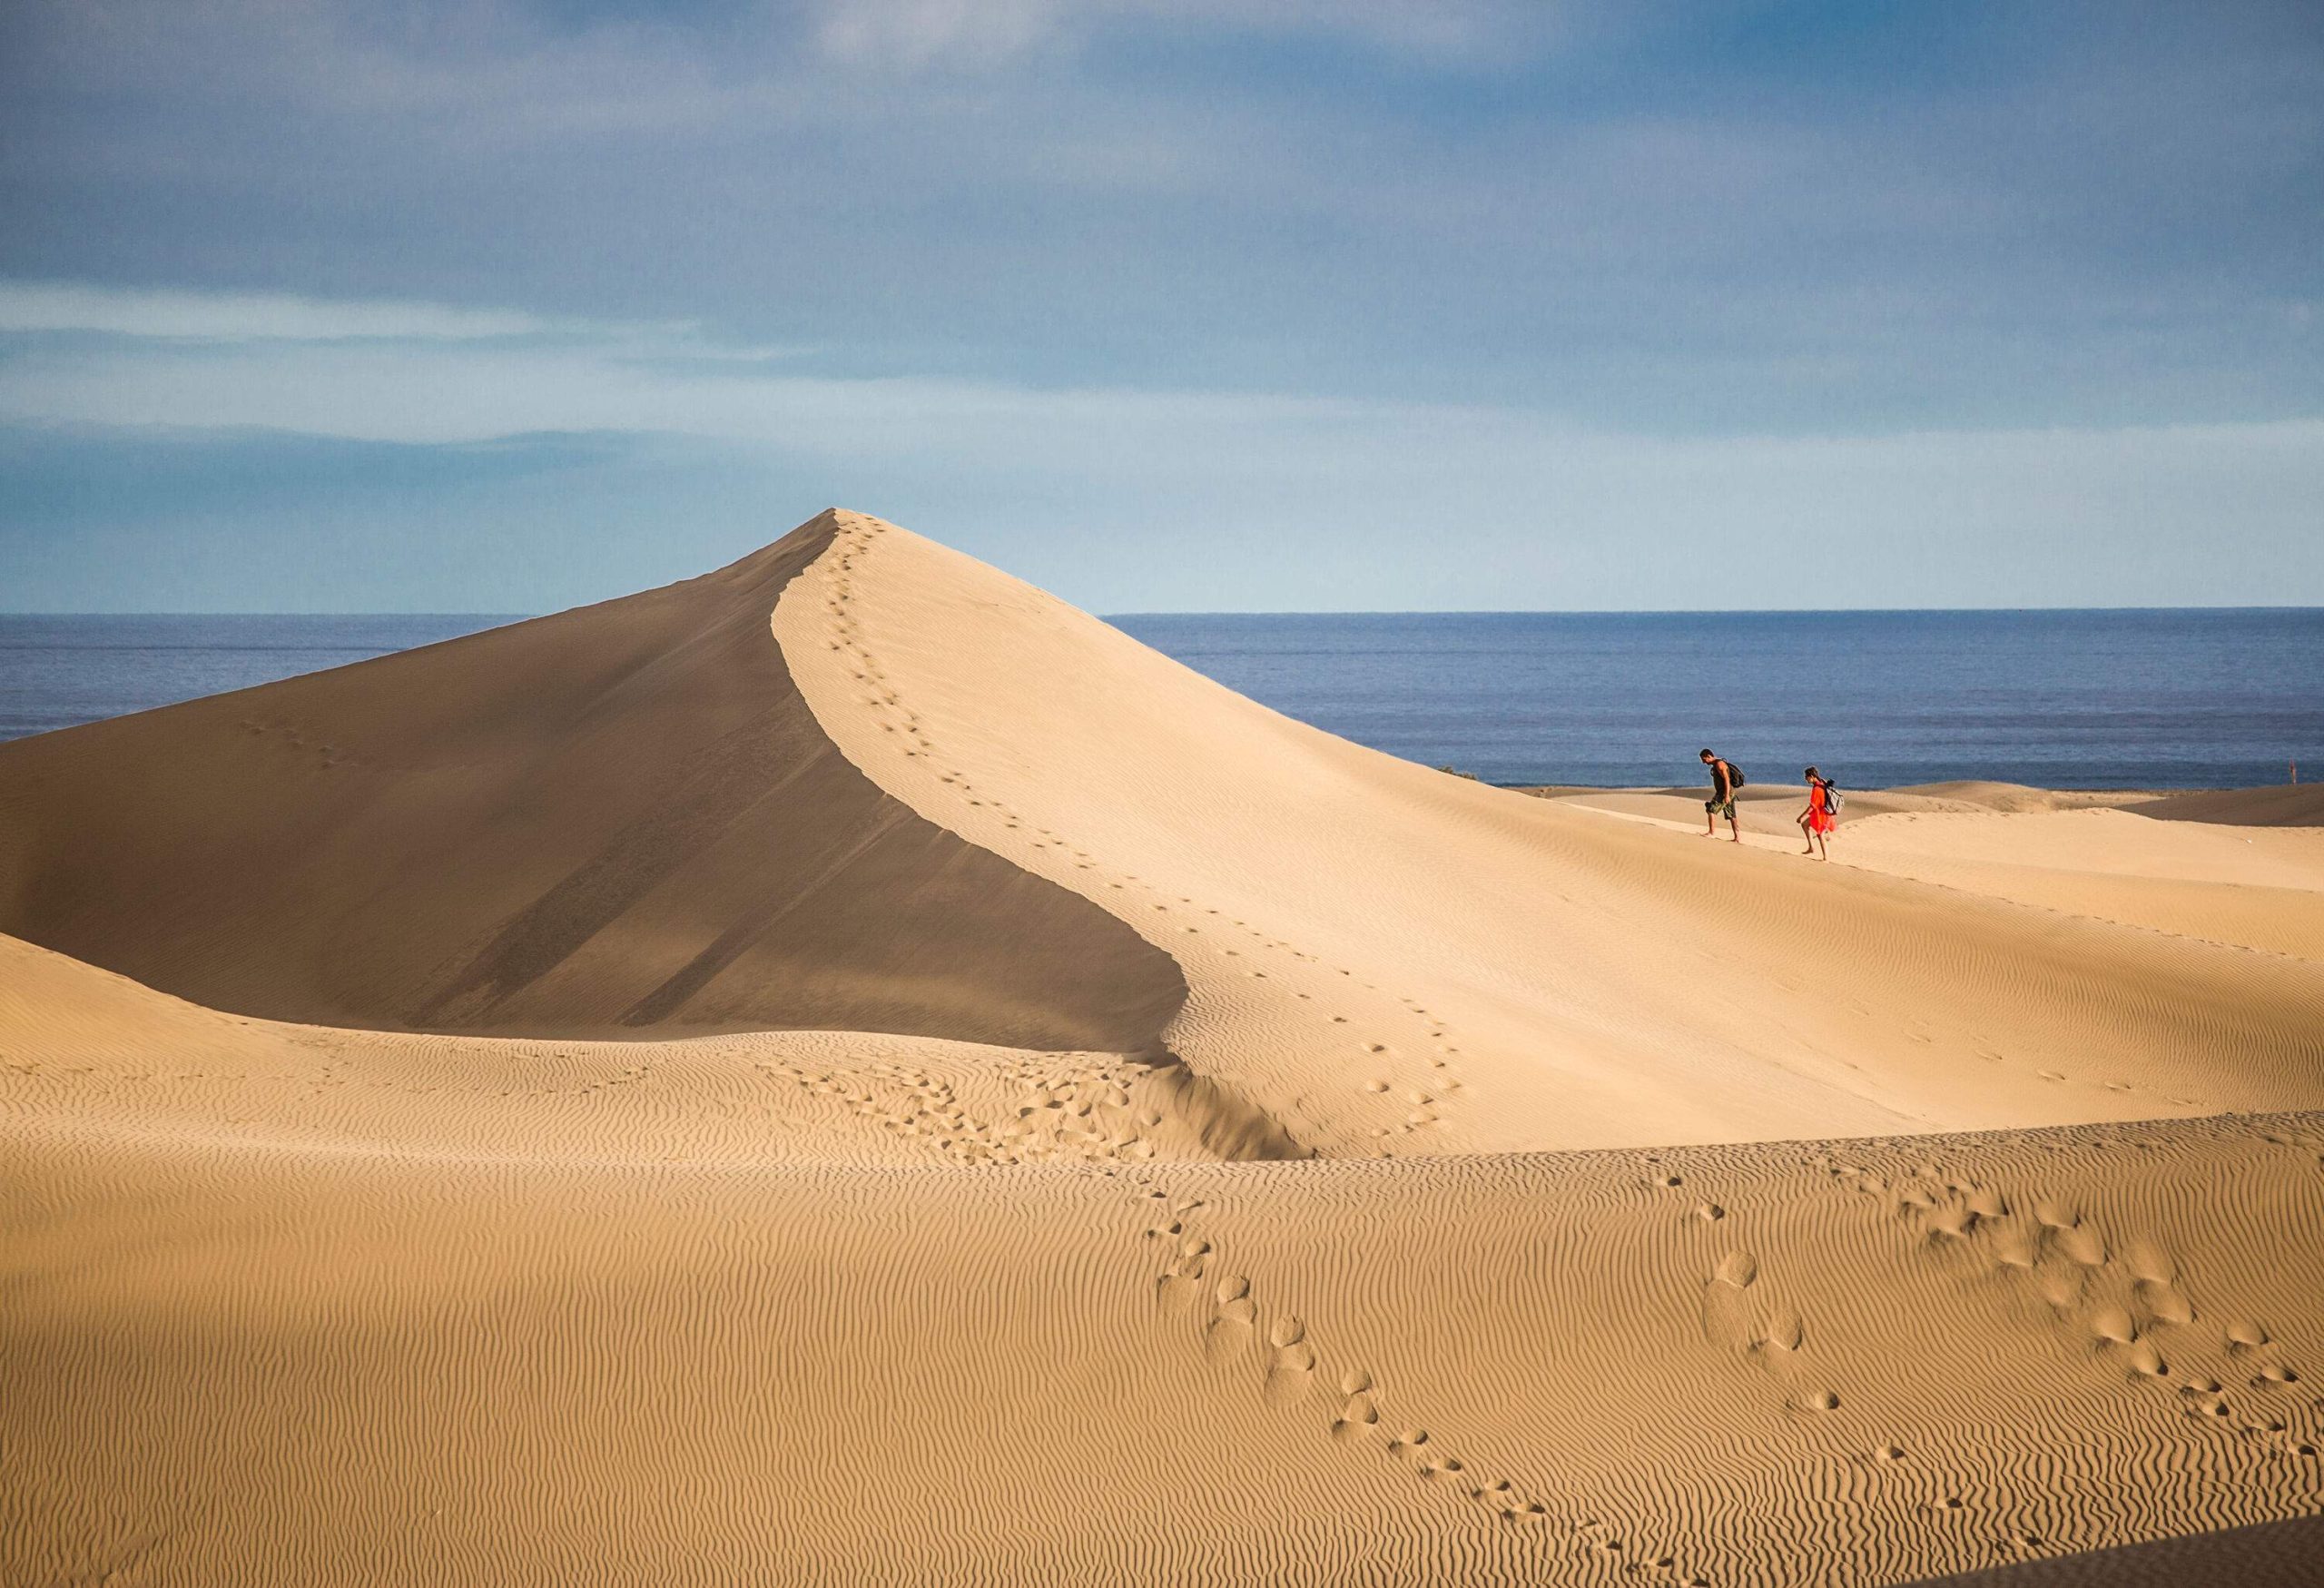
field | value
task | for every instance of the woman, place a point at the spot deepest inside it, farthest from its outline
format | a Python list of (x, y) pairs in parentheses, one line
[(1815, 820)]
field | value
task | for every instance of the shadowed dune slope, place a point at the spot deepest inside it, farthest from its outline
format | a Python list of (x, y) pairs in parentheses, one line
[(2291, 805), (2274, 1554), (620, 818)]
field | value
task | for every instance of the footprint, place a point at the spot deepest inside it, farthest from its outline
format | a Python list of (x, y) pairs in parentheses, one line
[(2149, 1263), (2060, 1284), (1228, 1334), (2164, 1302), (1726, 1312), (2015, 1249), (2085, 1245), (1289, 1373), (1181, 1285), (2056, 1213), (1786, 1331), (1499, 1497), (1952, 1221), (1358, 1417)]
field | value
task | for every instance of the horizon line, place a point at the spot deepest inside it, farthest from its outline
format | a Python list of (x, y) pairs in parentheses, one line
[(1249, 612)]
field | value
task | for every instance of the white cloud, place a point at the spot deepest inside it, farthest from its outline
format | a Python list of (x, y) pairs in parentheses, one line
[(916, 33), (64, 306)]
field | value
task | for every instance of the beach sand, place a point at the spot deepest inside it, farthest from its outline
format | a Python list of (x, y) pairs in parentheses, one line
[(849, 1070)]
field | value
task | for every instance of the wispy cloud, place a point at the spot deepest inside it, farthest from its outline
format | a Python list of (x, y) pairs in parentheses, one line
[(1126, 497), (973, 34), (74, 306), (416, 373)]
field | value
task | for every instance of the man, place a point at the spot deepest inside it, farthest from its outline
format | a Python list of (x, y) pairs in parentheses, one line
[(1722, 798)]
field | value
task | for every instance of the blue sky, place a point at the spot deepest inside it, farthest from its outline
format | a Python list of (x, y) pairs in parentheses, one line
[(1166, 304)]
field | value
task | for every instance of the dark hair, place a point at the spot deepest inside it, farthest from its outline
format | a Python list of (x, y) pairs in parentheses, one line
[(1811, 771), (1705, 756)]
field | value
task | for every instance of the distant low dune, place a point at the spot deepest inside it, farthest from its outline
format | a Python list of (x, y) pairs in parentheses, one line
[(851, 1070), (2087, 856), (2292, 805)]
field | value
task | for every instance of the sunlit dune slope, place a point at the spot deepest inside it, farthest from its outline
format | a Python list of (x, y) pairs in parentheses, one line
[(299, 1306), (621, 818), (1387, 958)]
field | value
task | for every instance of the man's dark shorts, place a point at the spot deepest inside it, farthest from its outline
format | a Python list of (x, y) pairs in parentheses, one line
[(1720, 808)]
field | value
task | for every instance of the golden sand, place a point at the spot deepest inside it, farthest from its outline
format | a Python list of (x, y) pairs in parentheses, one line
[(848, 1069)]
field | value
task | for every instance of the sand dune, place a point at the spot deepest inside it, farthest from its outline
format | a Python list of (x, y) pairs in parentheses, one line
[(2100, 858), (2293, 805), (1110, 1133), (616, 818)]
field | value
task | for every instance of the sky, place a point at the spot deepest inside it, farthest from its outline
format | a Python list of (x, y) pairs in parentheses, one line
[(1165, 305)]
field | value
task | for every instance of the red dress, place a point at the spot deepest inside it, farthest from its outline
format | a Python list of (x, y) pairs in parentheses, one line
[(1819, 814)]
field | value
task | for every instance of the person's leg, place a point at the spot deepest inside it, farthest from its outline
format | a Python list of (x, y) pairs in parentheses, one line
[(1807, 831), (1710, 819), (1733, 831)]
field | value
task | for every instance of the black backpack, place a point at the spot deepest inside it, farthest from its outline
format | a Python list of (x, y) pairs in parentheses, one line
[(1735, 778)]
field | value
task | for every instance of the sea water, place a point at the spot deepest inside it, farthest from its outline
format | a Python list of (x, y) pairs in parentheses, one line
[(2078, 699), (60, 672)]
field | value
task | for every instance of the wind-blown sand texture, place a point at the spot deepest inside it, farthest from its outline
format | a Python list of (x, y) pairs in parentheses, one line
[(848, 1069)]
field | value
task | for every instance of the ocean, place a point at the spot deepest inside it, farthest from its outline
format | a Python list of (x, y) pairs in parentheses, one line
[(60, 672), (2201, 698)]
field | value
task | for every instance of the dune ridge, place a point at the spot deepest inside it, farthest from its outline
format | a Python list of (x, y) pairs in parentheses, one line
[(1352, 1175)]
